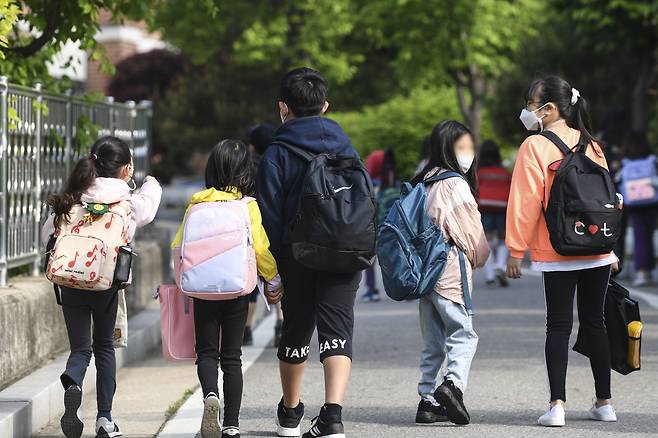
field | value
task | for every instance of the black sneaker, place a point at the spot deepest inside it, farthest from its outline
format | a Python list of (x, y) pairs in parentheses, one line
[(428, 413), (248, 338), (71, 424), (502, 278), (451, 397), (230, 432), (320, 428), (289, 419)]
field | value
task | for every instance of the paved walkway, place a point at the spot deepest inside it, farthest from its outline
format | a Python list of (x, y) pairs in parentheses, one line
[(507, 390)]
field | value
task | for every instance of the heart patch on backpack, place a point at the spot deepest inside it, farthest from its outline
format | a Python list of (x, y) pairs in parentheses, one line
[(593, 229)]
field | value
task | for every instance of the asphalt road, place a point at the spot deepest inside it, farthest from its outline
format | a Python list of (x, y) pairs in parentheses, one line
[(508, 386)]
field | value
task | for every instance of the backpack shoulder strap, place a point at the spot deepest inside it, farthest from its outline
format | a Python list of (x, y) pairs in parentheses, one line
[(442, 176), (557, 141), (468, 303), (301, 153)]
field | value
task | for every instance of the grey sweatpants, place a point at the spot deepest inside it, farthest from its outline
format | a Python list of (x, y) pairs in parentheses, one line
[(80, 308), (448, 335)]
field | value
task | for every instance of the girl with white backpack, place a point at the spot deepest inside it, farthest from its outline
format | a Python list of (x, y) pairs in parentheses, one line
[(219, 251), (96, 214)]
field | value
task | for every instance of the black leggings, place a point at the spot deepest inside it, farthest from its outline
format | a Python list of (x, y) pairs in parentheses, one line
[(209, 317), (559, 288)]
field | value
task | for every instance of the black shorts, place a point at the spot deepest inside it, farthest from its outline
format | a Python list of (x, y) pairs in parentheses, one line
[(313, 298)]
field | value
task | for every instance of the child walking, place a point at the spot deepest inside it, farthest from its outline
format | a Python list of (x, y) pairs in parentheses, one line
[(101, 178), (229, 177), (494, 183), (446, 324)]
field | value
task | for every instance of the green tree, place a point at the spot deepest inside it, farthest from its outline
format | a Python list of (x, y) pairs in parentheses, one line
[(43, 25), (622, 27), (468, 43)]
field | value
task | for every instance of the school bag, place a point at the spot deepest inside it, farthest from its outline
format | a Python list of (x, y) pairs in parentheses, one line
[(623, 327), (84, 255), (639, 181), (176, 323), (583, 215), (216, 258), (335, 226), (412, 250), (494, 182)]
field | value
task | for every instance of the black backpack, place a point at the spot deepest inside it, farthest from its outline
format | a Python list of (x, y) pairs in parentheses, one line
[(584, 214), (335, 226)]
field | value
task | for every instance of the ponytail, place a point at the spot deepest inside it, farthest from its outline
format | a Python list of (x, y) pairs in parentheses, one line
[(108, 155), (571, 105)]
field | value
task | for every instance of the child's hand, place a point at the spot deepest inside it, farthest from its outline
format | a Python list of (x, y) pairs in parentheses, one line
[(150, 178), (274, 296), (514, 267)]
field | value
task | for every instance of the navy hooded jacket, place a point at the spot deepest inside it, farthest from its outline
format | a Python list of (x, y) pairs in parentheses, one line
[(281, 173)]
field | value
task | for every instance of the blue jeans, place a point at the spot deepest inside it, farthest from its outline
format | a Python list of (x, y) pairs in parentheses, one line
[(448, 335)]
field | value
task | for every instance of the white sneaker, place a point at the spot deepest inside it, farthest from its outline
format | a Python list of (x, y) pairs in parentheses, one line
[(554, 417), (210, 422), (106, 428), (642, 278), (602, 413)]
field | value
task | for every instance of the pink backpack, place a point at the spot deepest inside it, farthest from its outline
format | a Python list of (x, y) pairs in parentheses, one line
[(176, 323), (216, 258), (85, 252)]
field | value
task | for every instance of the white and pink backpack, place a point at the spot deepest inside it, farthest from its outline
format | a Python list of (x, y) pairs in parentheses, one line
[(216, 258)]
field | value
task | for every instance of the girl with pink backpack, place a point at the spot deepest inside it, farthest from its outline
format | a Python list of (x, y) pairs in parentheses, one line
[(93, 220), (220, 250)]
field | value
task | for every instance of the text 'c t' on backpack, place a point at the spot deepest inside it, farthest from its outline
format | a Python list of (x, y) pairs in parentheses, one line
[(412, 250), (584, 213), (334, 229)]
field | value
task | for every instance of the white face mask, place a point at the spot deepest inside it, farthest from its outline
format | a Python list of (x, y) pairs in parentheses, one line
[(465, 161), (530, 119)]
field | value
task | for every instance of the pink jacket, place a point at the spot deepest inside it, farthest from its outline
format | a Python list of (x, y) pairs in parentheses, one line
[(145, 202), (453, 208)]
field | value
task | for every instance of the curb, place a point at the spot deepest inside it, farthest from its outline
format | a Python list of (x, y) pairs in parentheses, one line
[(35, 400)]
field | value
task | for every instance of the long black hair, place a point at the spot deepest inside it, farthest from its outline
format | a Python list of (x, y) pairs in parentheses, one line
[(489, 154), (558, 91), (442, 153), (230, 166), (107, 157)]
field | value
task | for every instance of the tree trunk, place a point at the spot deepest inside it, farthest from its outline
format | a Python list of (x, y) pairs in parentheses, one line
[(473, 82), (640, 100)]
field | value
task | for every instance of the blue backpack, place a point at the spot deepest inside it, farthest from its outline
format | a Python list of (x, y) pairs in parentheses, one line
[(411, 249), (639, 182)]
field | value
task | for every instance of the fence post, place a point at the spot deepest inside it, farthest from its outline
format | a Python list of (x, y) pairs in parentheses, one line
[(132, 113), (68, 132), (109, 100), (36, 191), (4, 89), (146, 109)]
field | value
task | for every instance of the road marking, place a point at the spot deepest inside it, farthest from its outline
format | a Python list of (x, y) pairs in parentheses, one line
[(650, 299), (186, 422)]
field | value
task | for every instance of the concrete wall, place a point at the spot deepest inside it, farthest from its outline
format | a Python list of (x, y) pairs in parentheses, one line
[(32, 328)]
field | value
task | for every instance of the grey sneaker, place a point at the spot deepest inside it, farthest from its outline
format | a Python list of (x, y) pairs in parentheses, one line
[(210, 427)]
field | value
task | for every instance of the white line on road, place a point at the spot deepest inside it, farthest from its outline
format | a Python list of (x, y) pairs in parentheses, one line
[(186, 422), (650, 299)]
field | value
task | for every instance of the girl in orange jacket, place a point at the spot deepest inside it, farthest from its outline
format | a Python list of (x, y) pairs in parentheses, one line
[(552, 104)]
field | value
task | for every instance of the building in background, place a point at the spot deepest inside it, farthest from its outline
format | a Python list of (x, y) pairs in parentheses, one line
[(120, 40)]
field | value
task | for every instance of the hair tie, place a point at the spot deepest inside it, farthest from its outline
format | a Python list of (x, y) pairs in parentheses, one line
[(93, 157), (575, 94)]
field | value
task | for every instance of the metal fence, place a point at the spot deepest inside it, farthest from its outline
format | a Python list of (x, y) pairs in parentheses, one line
[(41, 136)]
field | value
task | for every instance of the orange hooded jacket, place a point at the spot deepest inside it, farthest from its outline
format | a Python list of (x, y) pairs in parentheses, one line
[(531, 188)]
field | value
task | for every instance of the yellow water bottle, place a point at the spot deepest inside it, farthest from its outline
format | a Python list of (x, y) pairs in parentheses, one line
[(634, 336)]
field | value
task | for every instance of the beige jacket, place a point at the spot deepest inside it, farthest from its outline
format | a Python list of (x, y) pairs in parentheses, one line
[(453, 208)]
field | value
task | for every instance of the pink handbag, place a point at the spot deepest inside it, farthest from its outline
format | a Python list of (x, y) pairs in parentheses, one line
[(176, 323)]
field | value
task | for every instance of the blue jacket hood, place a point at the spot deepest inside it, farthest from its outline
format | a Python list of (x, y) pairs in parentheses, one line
[(316, 134)]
